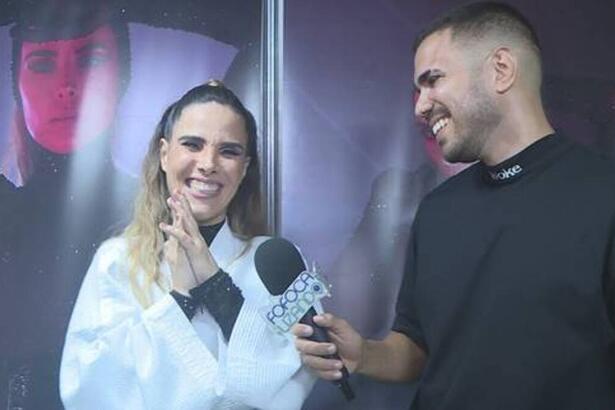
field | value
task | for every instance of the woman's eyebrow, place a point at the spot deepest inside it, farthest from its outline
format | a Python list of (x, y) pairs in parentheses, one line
[(41, 53), (232, 144), (191, 138), (88, 48)]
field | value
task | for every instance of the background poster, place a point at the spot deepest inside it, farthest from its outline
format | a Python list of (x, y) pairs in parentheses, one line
[(82, 86)]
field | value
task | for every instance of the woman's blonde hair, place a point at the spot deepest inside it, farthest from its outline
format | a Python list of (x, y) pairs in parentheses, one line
[(244, 213)]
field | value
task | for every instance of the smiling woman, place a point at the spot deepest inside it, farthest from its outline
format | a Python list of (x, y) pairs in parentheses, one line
[(206, 158), (170, 310)]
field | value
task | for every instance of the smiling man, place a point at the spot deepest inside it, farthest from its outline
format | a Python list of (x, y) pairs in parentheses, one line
[(519, 313)]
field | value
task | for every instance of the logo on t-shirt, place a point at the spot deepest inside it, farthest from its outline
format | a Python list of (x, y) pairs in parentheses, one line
[(506, 173)]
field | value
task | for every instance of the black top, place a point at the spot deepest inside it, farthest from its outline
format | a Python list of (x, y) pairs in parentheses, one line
[(509, 284), (209, 232)]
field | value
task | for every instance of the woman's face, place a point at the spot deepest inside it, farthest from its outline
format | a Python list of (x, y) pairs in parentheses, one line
[(69, 88), (206, 158)]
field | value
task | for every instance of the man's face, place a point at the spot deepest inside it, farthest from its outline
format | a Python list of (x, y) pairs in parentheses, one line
[(69, 88), (453, 99)]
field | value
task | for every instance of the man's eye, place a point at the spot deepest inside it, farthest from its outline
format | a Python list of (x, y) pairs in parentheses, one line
[(432, 80), (41, 65)]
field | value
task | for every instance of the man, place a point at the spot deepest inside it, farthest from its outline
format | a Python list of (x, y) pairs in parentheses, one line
[(508, 296)]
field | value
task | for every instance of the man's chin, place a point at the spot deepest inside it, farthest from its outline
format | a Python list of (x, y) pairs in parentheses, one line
[(456, 155), (450, 156)]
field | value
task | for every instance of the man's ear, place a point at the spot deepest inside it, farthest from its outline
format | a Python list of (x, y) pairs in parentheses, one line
[(164, 152), (505, 65)]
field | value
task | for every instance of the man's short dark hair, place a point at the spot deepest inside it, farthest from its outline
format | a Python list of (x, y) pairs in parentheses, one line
[(476, 20)]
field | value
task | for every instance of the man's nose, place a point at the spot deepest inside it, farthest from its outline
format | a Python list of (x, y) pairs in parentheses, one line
[(423, 105)]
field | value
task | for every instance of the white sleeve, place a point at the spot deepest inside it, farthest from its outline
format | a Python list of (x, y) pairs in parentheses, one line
[(118, 355), (264, 368)]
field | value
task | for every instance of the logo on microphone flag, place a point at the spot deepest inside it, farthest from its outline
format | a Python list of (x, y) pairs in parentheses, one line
[(284, 310)]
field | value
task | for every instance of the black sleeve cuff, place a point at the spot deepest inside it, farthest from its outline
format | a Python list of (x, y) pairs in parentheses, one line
[(186, 304), (222, 299)]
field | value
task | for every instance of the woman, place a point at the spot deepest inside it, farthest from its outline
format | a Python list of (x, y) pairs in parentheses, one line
[(158, 304)]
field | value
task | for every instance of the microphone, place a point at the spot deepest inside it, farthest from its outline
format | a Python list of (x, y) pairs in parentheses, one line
[(278, 264)]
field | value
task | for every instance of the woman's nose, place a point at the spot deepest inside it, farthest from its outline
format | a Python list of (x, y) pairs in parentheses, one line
[(66, 93), (208, 161)]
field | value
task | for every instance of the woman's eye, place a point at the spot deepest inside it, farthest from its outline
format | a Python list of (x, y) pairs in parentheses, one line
[(41, 65), (92, 60), (231, 152)]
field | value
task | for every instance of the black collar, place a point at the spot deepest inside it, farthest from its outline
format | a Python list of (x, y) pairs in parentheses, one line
[(209, 232), (523, 163)]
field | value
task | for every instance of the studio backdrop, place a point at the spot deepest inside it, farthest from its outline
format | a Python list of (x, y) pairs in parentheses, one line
[(83, 83)]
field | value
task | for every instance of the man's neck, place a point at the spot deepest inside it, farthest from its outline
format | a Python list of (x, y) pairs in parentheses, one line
[(515, 133)]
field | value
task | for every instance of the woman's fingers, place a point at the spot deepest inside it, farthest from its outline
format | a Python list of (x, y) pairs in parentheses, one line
[(179, 216), (189, 222), (182, 214), (176, 232)]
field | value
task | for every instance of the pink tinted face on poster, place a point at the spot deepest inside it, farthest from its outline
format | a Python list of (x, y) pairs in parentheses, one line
[(69, 89)]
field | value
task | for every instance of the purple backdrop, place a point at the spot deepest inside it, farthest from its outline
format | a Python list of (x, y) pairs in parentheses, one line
[(353, 161)]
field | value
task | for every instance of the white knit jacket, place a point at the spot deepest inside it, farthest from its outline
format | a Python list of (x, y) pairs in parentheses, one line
[(118, 355)]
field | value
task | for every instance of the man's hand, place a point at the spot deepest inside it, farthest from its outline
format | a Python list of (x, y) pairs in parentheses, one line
[(394, 359), (346, 342)]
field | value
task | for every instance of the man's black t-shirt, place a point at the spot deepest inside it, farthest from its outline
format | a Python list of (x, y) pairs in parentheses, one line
[(509, 284)]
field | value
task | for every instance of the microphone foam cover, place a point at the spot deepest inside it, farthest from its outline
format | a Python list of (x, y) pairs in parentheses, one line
[(278, 263)]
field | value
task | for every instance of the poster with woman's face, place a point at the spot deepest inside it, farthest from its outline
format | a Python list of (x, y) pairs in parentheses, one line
[(82, 87), (66, 83), (72, 86)]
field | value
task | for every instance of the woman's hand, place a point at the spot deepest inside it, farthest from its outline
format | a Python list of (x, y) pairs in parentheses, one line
[(186, 251), (181, 272)]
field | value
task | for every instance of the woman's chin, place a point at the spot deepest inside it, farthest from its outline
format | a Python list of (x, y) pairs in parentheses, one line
[(208, 218)]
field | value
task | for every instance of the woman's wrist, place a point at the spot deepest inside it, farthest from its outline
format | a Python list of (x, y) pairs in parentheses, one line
[(203, 266), (204, 271)]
